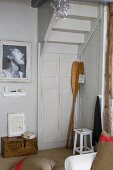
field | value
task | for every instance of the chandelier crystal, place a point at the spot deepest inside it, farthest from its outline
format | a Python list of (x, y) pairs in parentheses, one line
[(60, 7)]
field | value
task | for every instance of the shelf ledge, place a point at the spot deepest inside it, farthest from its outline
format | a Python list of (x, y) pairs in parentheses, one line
[(14, 94)]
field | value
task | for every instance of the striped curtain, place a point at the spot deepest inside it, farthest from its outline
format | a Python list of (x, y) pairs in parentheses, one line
[(108, 110)]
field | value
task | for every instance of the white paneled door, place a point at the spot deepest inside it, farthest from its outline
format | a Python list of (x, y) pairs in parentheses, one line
[(56, 100), (50, 100)]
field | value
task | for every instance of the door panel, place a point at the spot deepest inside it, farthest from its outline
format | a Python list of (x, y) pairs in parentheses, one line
[(50, 115), (66, 94), (50, 67), (50, 81), (56, 99), (50, 100), (66, 104), (66, 65)]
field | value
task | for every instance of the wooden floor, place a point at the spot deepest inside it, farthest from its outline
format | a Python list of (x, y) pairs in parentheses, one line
[(58, 155)]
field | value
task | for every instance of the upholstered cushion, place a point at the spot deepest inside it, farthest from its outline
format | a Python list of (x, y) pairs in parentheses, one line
[(104, 157), (80, 162), (34, 163)]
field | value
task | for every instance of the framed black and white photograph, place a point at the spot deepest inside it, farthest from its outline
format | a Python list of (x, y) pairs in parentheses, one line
[(16, 124), (15, 64)]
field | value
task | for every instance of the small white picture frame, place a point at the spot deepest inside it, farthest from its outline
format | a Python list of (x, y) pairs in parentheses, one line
[(16, 124)]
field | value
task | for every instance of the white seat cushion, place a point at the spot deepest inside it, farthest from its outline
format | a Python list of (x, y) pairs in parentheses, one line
[(79, 162)]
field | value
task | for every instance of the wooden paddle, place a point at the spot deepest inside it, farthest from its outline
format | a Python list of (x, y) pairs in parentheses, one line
[(77, 68)]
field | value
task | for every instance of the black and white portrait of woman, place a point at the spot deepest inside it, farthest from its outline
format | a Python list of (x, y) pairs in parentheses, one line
[(14, 61)]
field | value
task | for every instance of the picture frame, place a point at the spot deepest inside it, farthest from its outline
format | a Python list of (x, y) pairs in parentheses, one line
[(16, 124), (15, 61)]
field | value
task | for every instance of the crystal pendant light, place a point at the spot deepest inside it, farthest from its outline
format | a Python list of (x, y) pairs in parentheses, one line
[(60, 7)]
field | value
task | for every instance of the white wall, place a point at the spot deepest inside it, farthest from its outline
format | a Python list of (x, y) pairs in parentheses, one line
[(18, 22)]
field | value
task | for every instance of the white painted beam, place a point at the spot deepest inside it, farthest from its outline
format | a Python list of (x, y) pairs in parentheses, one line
[(61, 48), (66, 37), (72, 25), (83, 10)]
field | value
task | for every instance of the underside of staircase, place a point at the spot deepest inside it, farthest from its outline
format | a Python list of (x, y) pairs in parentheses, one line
[(67, 35)]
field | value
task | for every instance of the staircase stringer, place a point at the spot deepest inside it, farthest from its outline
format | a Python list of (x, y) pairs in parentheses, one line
[(53, 19), (88, 36)]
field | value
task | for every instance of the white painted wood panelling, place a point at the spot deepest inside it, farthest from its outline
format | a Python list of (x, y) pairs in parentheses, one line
[(61, 48), (65, 37), (50, 99), (89, 91), (56, 55), (87, 110), (56, 99), (65, 95), (83, 10), (72, 25)]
